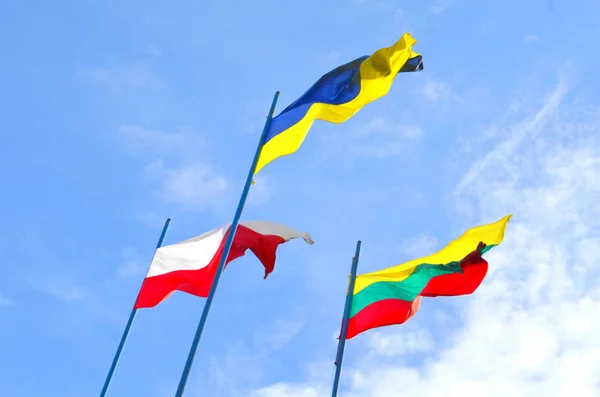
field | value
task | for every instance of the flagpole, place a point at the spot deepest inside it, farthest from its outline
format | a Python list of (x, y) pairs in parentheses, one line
[(347, 308), (115, 361), (236, 218)]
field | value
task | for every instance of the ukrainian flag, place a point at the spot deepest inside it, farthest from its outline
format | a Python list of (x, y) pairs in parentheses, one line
[(338, 95)]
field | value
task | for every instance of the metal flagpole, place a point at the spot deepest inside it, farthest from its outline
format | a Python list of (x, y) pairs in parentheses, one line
[(236, 218), (347, 308), (129, 324)]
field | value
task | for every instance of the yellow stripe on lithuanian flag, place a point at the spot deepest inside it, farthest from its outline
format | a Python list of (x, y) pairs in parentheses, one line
[(393, 295)]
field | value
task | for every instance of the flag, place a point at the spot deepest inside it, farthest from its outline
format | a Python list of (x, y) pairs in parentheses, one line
[(191, 265), (338, 95), (393, 295)]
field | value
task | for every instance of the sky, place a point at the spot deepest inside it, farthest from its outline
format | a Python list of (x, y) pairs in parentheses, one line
[(115, 115)]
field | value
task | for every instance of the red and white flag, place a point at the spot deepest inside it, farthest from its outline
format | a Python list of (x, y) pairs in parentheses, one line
[(190, 266)]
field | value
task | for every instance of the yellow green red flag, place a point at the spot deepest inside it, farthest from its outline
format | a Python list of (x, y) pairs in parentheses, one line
[(393, 295)]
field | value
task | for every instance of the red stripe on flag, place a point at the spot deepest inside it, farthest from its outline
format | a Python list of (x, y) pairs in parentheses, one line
[(382, 313), (198, 282), (474, 269)]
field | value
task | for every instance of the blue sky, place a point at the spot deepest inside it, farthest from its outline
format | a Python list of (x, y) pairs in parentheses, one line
[(115, 115)]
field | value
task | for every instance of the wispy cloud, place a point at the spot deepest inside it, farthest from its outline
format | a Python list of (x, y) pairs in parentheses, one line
[(530, 38), (435, 90), (487, 27), (194, 186), (130, 269), (383, 126), (280, 333), (245, 365), (380, 137), (132, 266), (373, 4), (64, 292), (330, 59), (401, 18), (419, 246), (441, 6), (287, 390), (174, 166), (528, 129), (400, 343), (141, 141), (117, 76), (4, 301), (261, 191)]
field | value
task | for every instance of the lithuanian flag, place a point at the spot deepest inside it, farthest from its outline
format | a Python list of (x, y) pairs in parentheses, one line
[(393, 295)]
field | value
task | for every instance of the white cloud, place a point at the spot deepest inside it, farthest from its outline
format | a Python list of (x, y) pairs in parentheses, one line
[(419, 246), (228, 373), (487, 27), (400, 343), (284, 390), (530, 38), (529, 128), (261, 191), (152, 219), (131, 266), (4, 301), (402, 18), (245, 365), (533, 326), (434, 90), (380, 125), (117, 76), (194, 185), (64, 292), (280, 333), (175, 168), (131, 269), (373, 4), (143, 141), (330, 60), (441, 6), (380, 138)]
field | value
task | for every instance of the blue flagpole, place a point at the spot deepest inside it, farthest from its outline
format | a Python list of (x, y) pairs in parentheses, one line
[(347, 308), (115, 361), (236, 218)]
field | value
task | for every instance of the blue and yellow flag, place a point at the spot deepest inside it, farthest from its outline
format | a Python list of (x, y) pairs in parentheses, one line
[(338, 95)]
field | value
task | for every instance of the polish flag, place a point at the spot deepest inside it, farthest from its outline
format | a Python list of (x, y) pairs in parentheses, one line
[(190, 266)]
